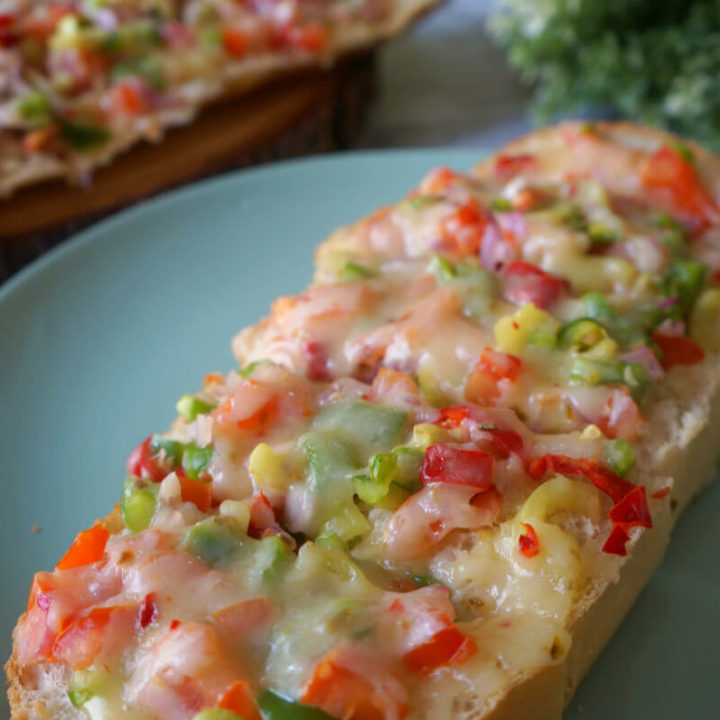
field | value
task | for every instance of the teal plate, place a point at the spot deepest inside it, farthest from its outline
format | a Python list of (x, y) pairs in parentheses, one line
[(99, 338)]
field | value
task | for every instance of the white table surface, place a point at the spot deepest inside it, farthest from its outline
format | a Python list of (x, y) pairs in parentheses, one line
[(446, 83)]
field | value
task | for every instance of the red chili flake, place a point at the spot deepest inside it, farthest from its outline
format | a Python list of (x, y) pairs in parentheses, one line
[(528, 541), (660, 494), (149, 611), (174, 624), (615, 544)]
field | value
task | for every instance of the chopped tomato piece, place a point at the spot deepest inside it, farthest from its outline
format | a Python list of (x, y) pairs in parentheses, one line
[(507, 442), (88, 547), (195, 491), (239, 698), (530, 198), (463, 230), (524, 283), (103, 629), (492, 368), (235, 42), (677, 350), (343, 690), (444, 463), (674, 180), (447, 647), (244, 617), (142, 464), (508, 166), (528, 541)]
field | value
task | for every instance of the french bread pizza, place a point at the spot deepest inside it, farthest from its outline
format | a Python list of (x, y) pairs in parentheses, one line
[(438, 478), (83, 80)]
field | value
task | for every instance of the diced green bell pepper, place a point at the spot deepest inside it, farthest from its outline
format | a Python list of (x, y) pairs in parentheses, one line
[(137, 506), (85, 684), (82, 136), (620, 456), (34, 108), (214, 540), (217, 714), (190, 406), (370, 428), (272, 558), (170, 451), (275, 707), (195, 460), (589, 371), (355, 271), (685, 281), (581, 335)]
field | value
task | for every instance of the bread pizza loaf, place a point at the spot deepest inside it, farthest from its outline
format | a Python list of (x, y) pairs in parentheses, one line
[(82, 81), (439, 477)]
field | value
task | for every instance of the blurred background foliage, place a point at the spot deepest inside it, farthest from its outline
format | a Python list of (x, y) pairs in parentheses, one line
[(651, 61)]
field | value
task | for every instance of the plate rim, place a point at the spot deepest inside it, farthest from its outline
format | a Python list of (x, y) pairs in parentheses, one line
[(77, 241)]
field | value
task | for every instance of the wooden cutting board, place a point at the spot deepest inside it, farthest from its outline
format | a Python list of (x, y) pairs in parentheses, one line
[(311, 112)]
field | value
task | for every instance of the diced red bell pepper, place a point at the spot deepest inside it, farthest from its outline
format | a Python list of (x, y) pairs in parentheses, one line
[(632, 510), (603, 479), (677, 350), (674, 180), (142, 464), (528, 542), (660, 494), (463, 230), (444, 463), (524, 283), (239, 699), (505, 441), (616, 542), (88, 547)]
